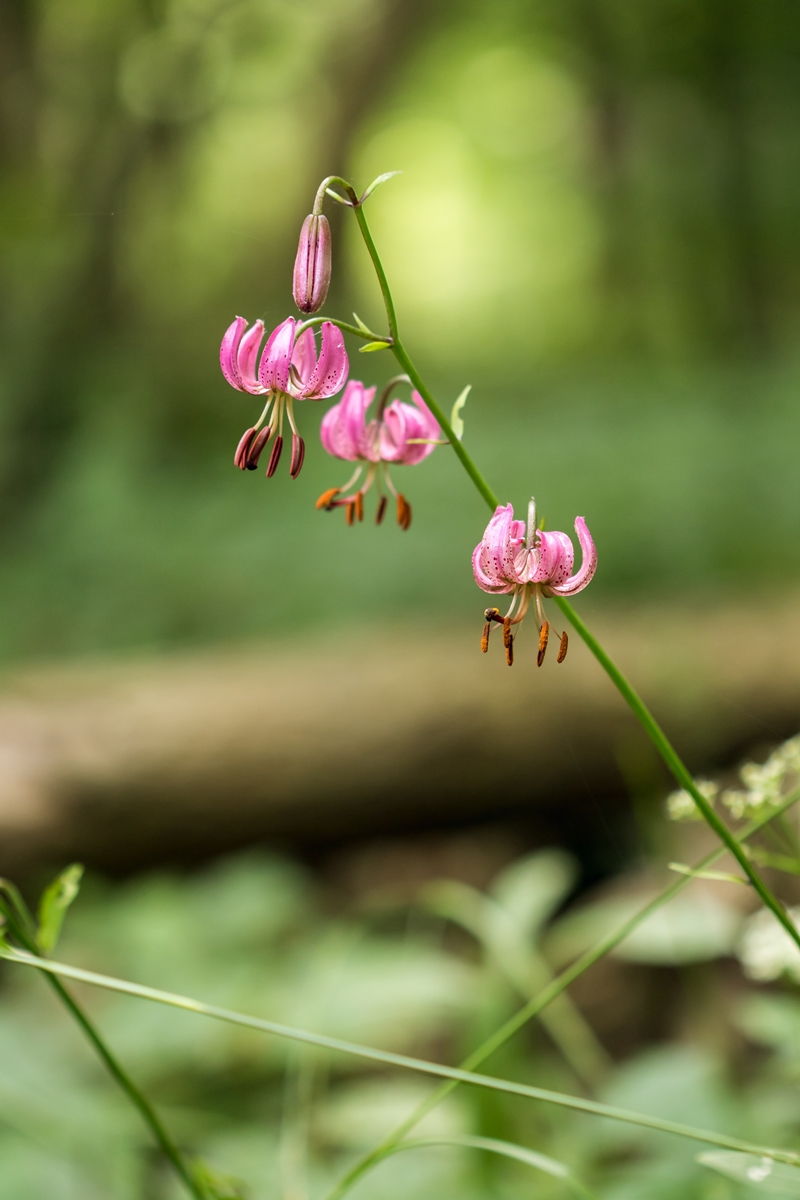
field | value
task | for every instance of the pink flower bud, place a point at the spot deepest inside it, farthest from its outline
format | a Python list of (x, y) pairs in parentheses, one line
[(312, 267)]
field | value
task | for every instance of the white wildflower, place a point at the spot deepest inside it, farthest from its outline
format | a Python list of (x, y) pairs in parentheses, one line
[(766, 950), (737, 802), (681, 806), (765, 783)]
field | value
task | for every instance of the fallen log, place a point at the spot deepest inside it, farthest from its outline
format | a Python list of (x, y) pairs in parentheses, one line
[(129, 763)]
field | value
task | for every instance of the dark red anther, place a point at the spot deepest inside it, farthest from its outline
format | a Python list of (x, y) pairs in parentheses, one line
[(350, 512), (298, 454), (381, 513), (240, 457), (275, 456), (256, 446), (359, 503)]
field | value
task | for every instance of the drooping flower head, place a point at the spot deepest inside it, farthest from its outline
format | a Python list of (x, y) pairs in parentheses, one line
[(529, 563), (398, 433), (289, 369)]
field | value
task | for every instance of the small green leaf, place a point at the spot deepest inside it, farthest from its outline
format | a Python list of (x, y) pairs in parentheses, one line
[(335, 196), (718, 876), (56, 899), (376, 183), (371, 347), (455, 415), (531, 1158), (364, 328), (763, 1173)]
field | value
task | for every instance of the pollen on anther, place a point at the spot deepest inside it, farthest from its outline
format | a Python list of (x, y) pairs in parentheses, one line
[(544, 634), (562, 652), (381, 512), (326, 499), (487, 629)]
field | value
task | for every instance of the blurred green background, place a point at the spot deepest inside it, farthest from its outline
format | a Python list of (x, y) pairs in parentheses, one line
[(596, 226)]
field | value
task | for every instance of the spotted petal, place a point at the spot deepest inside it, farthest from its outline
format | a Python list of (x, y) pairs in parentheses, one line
[(304, 357), (582, 577), (273, 372), (228, 353), (248, 356), (490, 561), (331, 370)]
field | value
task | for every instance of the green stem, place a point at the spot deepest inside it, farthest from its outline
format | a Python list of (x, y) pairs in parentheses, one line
[(133, 1093), (540, 1002), (365, 335), (379, 271), (676, 766), (576, 1103), (631, 697), (469, 466)]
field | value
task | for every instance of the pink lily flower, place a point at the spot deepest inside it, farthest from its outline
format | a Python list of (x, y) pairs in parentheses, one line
[(289, 369), (530, 564), (398, 433)]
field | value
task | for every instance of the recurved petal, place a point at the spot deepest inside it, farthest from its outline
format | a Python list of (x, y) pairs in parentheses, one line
[(332, 366), (273, 372), (247, 357), (431, 424), (404, 423), (588, 566), (494, 548), (343, 426), (488, 583), (228, 352), (554, 558), (393, 432), (304, 356)]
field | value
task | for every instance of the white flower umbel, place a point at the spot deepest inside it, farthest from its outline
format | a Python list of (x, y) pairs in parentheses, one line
[(764, 783), (681, 806), (765, 949)]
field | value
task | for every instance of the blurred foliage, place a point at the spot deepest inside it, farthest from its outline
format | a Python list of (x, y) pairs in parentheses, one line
[(256, 933), (596, 225)]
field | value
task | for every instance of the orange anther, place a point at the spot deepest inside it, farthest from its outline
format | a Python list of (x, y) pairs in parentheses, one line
[(544, 634), (326, 499)]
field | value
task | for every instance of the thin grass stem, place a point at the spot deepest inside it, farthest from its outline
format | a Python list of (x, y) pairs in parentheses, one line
[(136, 1097), (562, 1100), (545, 997)]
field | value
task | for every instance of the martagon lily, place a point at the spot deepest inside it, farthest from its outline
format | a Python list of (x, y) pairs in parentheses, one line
[(530, 564), (289, 369), (398, 433)]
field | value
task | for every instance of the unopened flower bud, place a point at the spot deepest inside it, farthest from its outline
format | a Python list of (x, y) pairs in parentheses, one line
[(312, 267)]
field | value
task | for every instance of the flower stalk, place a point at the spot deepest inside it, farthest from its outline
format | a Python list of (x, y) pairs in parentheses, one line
[(631, 697)]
